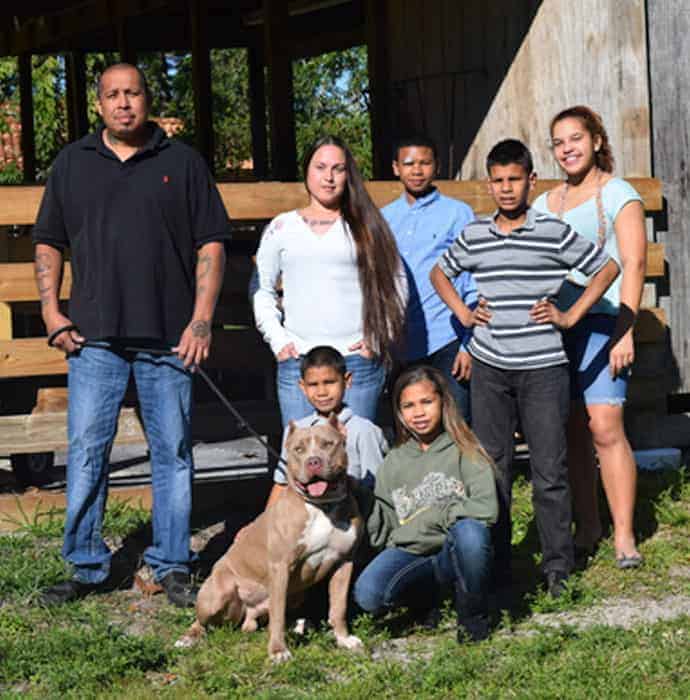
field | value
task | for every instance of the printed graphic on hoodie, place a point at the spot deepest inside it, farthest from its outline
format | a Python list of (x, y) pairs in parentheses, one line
[(436, 488)]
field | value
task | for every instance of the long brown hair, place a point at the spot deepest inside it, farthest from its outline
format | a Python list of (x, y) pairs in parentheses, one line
[(593, 122), (453, 422), (378, 261)]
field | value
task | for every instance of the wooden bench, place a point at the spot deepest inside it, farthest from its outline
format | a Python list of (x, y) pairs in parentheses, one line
[(241, 345)]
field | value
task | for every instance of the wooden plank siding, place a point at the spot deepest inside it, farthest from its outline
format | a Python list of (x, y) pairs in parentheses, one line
[(264, 200), (472, 73), (669, 74), (47, 432), (28, 357)]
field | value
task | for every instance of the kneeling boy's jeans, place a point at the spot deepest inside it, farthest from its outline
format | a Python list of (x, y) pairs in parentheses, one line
[(397, 577), (97, 382)]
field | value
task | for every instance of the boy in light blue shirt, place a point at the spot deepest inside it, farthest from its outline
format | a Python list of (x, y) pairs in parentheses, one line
[(425, 223)]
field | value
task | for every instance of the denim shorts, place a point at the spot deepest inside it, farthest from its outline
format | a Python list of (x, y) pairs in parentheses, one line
[(587, 345)]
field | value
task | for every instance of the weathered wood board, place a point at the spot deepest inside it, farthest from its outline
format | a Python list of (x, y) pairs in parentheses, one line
[(472, 73), (17, 282), (669, 76), (31, 357), (264, 200), (47, 432), (594, 53)]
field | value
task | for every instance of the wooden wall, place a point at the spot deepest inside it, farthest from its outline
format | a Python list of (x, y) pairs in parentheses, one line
[(473, 72), (669, 69)]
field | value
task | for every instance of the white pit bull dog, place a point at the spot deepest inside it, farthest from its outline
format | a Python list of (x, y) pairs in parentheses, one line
[(309, 533)]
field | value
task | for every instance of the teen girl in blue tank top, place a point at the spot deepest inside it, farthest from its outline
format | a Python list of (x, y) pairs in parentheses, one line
[(607, 210)]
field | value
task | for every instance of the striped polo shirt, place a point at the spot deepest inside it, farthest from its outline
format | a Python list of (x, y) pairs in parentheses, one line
[(513, 271)]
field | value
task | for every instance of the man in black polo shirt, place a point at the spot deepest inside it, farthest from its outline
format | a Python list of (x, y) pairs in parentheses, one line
[(146, 228)]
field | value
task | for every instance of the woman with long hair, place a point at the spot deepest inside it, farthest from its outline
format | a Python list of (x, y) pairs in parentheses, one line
[(342, 281), (608, 211)]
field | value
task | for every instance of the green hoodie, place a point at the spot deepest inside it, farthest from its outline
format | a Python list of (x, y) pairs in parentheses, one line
[(421, 493)]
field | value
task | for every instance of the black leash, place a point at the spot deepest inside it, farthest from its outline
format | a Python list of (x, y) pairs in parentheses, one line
[(241, 422)]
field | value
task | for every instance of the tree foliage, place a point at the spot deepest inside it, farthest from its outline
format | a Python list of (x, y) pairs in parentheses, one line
[(50, 115), (330, 93), (332, 97)]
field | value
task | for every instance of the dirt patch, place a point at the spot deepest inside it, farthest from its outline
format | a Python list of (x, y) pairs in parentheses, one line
[(619, 612)]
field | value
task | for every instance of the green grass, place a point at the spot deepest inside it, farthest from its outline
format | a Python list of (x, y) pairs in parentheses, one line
[(122, 645)]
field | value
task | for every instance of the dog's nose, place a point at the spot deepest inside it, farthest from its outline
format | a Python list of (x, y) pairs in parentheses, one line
[(314, 465)]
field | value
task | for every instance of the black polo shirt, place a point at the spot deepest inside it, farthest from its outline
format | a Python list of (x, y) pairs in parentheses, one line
[(133, 228)]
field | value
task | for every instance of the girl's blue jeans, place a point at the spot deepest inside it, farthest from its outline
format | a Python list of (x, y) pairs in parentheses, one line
[(97, 382), (368, 378), (397, 577)]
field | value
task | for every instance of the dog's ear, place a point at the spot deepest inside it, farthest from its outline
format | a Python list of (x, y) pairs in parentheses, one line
[(292, 426), (335, 423)]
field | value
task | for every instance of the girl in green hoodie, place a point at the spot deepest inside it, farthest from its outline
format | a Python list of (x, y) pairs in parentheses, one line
[(435, 499)]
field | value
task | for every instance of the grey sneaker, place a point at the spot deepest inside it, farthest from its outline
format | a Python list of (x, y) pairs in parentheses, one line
[(179, 589)]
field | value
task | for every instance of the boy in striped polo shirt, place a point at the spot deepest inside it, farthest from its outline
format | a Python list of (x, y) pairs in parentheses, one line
[(519, 259)]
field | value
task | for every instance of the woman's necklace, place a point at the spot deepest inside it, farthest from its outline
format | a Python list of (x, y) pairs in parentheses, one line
[(601, 216), (318, 222)]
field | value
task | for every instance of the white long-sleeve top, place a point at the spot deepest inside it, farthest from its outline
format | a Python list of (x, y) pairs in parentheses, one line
[(322, 296)]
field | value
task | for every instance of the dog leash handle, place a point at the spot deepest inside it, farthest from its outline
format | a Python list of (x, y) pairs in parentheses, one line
[(59, 331)]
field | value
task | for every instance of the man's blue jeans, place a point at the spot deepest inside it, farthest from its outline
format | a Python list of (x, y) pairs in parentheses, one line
[(97, 382), (397, 577), (368, 378)]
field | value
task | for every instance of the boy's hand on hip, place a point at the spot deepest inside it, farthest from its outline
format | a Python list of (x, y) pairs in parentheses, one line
[(546, 312), (479, 316), (195, 343)]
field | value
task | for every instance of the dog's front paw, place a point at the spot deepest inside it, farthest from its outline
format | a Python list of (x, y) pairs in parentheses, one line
[(280, 657), (350, 642), (191, 637), (186, 642)]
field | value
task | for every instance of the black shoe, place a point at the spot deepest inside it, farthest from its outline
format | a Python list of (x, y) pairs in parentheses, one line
[(556, 583), (428, 619), (68, 591), (179, 589), (473, 616)]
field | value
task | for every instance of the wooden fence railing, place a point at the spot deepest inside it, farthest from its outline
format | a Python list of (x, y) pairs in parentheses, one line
[(31, 357)]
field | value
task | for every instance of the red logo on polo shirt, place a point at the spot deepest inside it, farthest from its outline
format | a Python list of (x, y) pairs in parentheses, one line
[(166, 179)]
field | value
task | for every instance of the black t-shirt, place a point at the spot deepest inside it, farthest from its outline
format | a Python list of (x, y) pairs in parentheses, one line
[(133, 228)]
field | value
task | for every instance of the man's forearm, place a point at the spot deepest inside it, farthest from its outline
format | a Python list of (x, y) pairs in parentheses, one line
[(48, 265), (210, 269)]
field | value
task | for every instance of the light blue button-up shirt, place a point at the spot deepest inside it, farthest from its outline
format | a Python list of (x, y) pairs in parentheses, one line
[(424, 230)]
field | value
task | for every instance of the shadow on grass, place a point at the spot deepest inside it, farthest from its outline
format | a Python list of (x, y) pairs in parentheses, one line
[(232, 503), (657, 493)]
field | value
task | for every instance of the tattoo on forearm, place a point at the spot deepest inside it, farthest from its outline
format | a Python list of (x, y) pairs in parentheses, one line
[(42, 263), (203, 266), (43, 282), (201, 329), (45, 292)]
